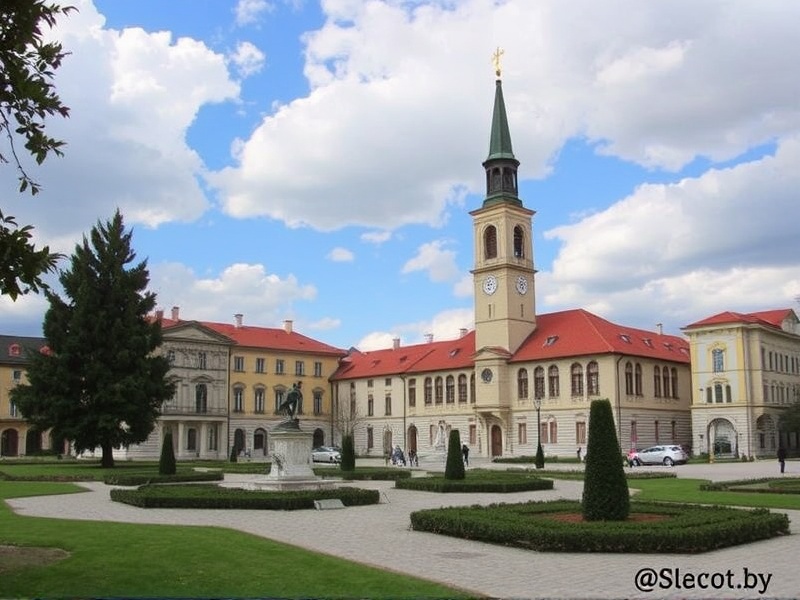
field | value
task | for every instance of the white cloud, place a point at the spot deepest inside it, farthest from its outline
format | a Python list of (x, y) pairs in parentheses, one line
[(263, 298), (376, 237), (341, 255), (250, 11), (247, 58), (446, 325), (433, 258)]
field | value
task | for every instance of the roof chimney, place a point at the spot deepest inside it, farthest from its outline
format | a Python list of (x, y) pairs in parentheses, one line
[(176, 313), (396, 343), (238, 317), (660, 327), (462, 332), (159, 314), (428, 338), (287, 326)]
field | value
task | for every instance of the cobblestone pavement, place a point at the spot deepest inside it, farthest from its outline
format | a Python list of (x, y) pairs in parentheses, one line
[(379, 535)]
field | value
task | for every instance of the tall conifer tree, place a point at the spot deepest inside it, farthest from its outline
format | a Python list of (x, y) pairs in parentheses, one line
[(101, 383)]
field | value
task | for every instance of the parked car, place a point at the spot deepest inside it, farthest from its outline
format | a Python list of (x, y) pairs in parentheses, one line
[(326, 454), (658, 455)]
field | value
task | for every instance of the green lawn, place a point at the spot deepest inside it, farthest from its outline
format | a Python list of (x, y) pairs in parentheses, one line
[(688, 490), (119, 559)]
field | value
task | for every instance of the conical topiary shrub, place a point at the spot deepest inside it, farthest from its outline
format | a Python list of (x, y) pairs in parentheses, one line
[(539, 456), (166, 464), (234, 453), (454, 469), (348, 454), (605, 488)]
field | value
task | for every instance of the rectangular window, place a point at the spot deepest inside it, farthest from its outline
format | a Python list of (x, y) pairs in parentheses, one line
[(16, 375), (580, 433), (388, 382), (259, 400), (543, 431), (299, 368), (212, 437), (370, 439), (674, 431), (634, 436), (522, 433), (473, 435), (370, 383), (553, 432), (12, 408), (278, 400), (370, 406), (317, 369), (412, 392), (388, 410), (202, 360), (655, 426), (171, 356), (238, 400), (317, 403), (279, 366), (260, 365), (238, 363)]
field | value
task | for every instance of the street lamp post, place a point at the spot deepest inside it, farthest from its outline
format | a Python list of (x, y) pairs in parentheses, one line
[(537, 404)]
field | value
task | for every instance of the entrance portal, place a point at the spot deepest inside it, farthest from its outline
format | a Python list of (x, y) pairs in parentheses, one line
[(497, 440)]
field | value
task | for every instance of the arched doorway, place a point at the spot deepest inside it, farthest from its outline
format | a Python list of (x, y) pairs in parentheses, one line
[(767, 431), (9, 442), (238, 440), (259, 442), (318, 439), (33, 442), (722, 438), (497, 440), (411, 439)]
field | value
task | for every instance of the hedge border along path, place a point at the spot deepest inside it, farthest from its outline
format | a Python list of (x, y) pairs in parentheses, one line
[(536, 526)]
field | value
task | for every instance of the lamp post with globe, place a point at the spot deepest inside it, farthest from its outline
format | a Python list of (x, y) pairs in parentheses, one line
[(537, 404)]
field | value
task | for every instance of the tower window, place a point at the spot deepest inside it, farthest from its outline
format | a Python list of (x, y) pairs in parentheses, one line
[(519, 242), (490, 242)]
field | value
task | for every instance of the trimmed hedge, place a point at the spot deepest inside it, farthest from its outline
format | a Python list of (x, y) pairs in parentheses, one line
[(767, 485), (212, 496), (503, 484), (688, 528), (367, 474), (133, 479)]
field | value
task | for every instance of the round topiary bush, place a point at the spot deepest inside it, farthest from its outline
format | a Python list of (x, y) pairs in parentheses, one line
[(166, 464), (348, 454), (454, 469), (605, 488)]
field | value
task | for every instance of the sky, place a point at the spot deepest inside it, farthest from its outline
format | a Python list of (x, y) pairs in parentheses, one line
[(317, 160)]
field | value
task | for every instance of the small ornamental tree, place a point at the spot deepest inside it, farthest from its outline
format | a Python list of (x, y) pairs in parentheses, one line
[(454, 469), (348, 454), (539, 456), (166, 464), (605, 488), (234, 453)]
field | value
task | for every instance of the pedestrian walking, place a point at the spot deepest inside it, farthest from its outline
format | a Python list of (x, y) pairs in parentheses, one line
[(465, 454), (782, 457), (579, 454)]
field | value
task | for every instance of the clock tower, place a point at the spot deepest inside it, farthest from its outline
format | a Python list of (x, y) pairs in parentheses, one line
[(505, 308)]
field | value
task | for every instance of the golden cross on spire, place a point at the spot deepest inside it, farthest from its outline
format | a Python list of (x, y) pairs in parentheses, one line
[(496, 60)]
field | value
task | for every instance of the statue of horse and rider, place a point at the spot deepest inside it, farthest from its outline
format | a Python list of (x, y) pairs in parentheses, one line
[(292, 402)]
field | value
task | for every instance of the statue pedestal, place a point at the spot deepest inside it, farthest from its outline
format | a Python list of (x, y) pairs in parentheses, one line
[(291, 455)]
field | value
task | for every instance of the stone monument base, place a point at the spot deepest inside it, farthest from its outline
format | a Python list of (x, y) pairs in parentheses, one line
[(291, 463)]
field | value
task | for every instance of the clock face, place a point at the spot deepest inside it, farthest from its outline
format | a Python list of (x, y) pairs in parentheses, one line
[(490, 285), (522, 284), (486, 375)]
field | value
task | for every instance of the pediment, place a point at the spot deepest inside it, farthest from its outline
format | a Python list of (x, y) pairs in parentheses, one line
[(192, 331)]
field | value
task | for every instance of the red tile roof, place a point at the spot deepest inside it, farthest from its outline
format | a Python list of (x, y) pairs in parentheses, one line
[(557, 335), (578, 333), (265, 337), (767, 318)]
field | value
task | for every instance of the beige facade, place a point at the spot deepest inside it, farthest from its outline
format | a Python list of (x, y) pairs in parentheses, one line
[(746, 370)]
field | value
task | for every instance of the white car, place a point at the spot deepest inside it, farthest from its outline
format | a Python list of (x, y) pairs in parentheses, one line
[(326, 454), (658, 455)]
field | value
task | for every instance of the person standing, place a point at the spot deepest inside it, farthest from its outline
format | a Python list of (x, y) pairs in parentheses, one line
[(465, 454), (782, 457)]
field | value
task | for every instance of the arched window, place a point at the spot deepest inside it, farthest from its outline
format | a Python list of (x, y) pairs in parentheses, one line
[(519, 242), (674, 382), (552, 376), (201, 398), (462, 388), (637, 379), (657, 381), (522, 384), (576, 380), (629, 379), (439, 391), (428, 390), (490, 242), (593, 378), (450, 384), (538, 383), (718, 360), (728, 397), (718, 393), (191, 439), (238, 399), (665, 379)]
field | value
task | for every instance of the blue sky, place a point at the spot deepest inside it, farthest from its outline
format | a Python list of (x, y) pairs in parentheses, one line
[(316, 161)]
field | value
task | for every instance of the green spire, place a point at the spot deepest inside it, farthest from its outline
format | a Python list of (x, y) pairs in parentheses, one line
[(500, 138)]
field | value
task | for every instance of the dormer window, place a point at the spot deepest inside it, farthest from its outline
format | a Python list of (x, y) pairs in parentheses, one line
[(552, 339), (14, 350), (453, 352), (648, 342), (625, 338)]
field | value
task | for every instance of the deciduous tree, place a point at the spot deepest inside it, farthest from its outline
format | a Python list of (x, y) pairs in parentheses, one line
[(101, 383)]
